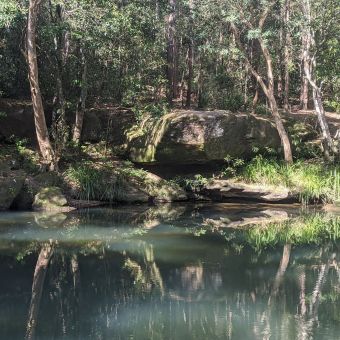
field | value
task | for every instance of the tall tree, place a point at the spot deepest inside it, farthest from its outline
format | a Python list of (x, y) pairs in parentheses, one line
[(80, 112), (172, 52), (287, 54), (190, 56), (39, 115)]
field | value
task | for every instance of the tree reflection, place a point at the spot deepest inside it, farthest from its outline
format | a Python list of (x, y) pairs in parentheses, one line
[(37, 287)]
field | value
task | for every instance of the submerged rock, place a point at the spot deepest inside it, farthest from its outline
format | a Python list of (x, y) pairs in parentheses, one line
[(188, 137)]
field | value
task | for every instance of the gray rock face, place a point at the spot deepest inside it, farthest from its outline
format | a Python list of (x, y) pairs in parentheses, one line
[(10, 185), (107, 124), (189, 137), (220, 190)]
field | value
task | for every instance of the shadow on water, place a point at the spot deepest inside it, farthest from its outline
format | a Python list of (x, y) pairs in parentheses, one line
[(218, 271)]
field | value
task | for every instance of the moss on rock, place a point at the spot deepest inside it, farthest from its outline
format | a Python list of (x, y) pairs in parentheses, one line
[(50, 199)]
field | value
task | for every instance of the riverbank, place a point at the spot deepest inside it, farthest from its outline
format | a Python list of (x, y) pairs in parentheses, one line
[(93, 175)]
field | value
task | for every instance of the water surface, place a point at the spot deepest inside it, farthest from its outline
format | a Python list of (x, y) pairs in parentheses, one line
[(169, 272)]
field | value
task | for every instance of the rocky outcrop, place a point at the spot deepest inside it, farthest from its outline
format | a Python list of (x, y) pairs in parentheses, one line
[(188, 137), (17, 119), (109, 124), (11, 183), (123, 183), (221, 190)]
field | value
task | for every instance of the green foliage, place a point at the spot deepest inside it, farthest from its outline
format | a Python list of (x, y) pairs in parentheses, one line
[(262, 110), (192, 184), (313, 181), (156, 110), (94, 183), (233, 165), (9, 9), (303, 137), (332, 105)]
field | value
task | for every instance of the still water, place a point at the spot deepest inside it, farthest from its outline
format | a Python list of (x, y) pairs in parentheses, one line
[(156, 273)]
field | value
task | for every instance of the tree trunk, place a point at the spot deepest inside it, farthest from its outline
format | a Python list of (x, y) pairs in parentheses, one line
[(171, 53), (287, 57), (269, 91), (60, 131), (256, 98), (37, 288), (287, 150), (82, 102), (304, 93), (190, 57), (39, 115), (304, 65)]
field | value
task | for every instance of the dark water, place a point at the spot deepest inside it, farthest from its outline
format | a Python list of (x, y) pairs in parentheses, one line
[(151, 273)]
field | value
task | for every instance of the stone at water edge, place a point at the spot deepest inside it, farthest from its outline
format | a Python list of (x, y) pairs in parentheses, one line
[(220, 189), (50, 199)]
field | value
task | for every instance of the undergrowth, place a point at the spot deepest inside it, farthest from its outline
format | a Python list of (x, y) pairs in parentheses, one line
[(94, 183), (312, 181)]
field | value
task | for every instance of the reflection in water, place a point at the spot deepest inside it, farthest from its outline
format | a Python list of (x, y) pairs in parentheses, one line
[(105, 274), (37, 288)]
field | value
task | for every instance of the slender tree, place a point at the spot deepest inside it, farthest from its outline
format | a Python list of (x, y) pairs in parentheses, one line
[(82, 101), (39, 115), (287, 54), (172, 52)]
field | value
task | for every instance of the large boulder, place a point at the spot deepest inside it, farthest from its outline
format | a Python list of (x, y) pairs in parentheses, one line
[(189, 137)]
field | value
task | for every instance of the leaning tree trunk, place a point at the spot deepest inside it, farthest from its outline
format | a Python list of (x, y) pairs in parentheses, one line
[(78, 127), (39, 115), (268, 89)]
